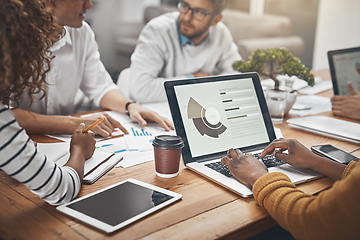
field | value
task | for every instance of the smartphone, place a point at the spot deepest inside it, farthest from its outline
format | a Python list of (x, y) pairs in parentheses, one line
[(334, 153)]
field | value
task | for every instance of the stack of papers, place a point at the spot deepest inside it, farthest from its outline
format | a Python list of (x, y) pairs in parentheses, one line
[(310, 105), (135, 147), (130, 153), (301, 86), (327, 126), (319, 87)]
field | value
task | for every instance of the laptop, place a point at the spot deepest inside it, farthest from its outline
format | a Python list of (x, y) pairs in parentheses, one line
[(214, 114), (344, 67)]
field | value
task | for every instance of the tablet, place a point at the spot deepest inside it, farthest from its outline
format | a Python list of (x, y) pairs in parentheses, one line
[(344, 67), (116, 206)]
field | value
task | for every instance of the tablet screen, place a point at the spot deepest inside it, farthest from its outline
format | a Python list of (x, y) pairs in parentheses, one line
[(345, 67), (120, 204)]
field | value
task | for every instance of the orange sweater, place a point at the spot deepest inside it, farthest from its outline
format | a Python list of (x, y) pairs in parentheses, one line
[(333, 214)]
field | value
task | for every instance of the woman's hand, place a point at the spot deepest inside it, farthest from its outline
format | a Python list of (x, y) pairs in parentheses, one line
[(83, 142), (347, 106), (82, 147), (140, 114), (106, 127), (244, 167), (298, 155)]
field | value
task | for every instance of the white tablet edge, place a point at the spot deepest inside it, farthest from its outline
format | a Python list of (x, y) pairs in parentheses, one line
[(108, 228)]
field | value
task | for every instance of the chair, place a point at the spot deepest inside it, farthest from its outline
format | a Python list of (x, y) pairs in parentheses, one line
[(248, 31)]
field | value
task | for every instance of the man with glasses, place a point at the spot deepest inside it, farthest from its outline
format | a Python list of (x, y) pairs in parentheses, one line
[(189, 43)]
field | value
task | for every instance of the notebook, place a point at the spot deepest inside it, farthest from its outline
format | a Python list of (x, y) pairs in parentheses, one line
[(344, 67), (214, 114), (95, 167)]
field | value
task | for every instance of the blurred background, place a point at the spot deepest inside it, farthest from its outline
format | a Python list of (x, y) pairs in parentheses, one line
[(312, 27)]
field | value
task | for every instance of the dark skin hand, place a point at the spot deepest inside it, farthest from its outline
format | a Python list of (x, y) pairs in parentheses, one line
[(300, 156), (245, 167), (347, 106), (82, 147), (248, 169)]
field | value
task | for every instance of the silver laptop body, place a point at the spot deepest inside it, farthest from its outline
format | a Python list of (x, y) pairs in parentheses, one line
[(214, 114)]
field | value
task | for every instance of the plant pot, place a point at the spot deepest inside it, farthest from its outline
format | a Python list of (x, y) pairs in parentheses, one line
[(292, 95), (280, 102)]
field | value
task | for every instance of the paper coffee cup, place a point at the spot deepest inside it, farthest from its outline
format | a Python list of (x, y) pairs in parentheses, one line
[(167, 153)]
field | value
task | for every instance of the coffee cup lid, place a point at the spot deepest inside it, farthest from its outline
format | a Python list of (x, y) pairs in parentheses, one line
[(168, 142)]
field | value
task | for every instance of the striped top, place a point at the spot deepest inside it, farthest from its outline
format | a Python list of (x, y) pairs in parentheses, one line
[(20, 159)]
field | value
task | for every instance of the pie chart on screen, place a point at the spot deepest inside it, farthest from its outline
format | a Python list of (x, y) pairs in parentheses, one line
[(207, 118)]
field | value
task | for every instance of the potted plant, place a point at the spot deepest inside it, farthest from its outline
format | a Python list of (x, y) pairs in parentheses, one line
[(278, 61), (273, 62)]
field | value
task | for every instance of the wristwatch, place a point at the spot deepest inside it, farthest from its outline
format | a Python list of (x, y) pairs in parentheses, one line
[(127, 107)]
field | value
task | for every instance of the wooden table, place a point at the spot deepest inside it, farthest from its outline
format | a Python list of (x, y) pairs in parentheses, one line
[(207, 210)]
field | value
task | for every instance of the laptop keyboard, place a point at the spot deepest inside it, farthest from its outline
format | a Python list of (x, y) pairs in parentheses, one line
[(219, 167), (269, 161)]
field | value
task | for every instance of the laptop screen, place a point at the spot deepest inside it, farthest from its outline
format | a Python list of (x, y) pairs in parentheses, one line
[(218, 114), (345, 67)]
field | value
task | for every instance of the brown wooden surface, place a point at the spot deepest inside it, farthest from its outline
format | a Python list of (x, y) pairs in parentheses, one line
[(206, 211)]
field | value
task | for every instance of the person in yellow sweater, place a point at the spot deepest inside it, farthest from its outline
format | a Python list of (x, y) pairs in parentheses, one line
[(332, 214)]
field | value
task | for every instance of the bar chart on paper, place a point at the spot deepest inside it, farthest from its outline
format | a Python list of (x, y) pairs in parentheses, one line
[(114, 145), (139, 139), (140, 132)]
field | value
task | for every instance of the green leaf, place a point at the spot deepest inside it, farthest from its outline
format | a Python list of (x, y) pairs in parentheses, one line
[(273, 61)]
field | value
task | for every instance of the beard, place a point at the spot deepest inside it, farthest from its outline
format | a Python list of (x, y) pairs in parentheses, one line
[(196, 33)]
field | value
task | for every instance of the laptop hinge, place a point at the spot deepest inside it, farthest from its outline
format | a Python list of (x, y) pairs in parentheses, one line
[(210, 158)]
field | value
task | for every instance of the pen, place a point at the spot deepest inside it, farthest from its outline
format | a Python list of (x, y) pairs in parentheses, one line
[(93, 125)]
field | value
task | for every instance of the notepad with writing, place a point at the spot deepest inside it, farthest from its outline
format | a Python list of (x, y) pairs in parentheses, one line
[(95, 167), (328, 126)]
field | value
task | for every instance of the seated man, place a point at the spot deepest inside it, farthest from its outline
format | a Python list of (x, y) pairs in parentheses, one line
[(347, 106), (77, 66), (188, 43)]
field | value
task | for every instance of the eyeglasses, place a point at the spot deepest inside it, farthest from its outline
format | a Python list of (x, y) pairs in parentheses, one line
[(196, 13)]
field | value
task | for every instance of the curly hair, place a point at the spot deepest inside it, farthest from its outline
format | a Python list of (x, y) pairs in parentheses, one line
[(27, 31)]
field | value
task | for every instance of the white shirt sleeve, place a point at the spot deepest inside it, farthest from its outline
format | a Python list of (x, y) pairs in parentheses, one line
[(230, 52), (96, 80), (147, 62)]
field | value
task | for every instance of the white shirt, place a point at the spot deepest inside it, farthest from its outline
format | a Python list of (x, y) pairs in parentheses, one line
[(20, 159), (77, 65), (159, 56)]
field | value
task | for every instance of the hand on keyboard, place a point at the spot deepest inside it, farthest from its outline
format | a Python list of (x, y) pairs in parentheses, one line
[(244, 167), (269, 161)]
